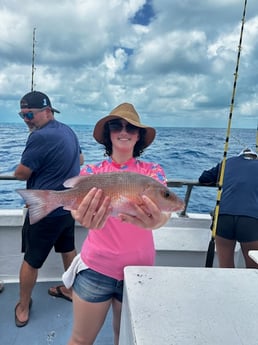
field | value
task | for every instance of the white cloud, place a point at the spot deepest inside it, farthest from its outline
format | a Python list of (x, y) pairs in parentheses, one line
[(91, 56)]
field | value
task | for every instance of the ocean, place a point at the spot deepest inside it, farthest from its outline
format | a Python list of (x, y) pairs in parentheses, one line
[(183, 153)]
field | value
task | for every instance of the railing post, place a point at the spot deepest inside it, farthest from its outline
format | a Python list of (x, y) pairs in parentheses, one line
[(187, 198)]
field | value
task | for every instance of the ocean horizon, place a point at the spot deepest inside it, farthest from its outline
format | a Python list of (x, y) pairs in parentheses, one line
[(183, 152)]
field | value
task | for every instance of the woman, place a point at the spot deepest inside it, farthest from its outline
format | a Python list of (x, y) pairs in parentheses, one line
[(113, 243)]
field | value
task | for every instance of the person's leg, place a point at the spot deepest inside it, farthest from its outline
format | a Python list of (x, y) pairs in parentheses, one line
[(246, 246), (28, 278), (117, 308), (225, 250), (247, 236), (88, 320), (64, 244), (67, 260), (35, 252)]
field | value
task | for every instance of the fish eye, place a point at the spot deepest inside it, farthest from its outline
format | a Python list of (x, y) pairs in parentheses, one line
[(166, 194)]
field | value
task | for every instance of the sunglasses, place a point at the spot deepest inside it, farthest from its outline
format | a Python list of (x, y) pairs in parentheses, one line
[(30, 114), (118, 126)]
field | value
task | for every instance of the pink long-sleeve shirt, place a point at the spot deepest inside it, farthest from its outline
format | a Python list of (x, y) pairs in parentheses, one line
[(117, 245)]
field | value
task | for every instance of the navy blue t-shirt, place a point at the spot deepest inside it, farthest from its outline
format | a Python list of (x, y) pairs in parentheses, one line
[(53, 154), (240, 186)]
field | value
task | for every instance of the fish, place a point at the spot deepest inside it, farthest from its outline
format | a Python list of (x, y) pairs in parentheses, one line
[(123, 188)]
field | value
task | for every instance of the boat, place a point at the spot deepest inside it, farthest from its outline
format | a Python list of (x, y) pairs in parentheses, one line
[(179, 301), (181, 244)]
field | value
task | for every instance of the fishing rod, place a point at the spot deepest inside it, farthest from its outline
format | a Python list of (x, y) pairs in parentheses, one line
[(211, 248), (33, 59), (256, 146)]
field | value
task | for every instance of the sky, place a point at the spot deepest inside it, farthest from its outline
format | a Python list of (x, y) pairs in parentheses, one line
[(174, 60)]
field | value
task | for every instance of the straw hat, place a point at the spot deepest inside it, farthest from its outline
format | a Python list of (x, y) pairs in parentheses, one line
[(127, 112)]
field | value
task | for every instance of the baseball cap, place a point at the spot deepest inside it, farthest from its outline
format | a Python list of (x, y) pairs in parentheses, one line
[(36, 99), (248, 152)]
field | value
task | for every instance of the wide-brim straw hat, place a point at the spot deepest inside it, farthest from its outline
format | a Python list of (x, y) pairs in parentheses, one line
[(127, 112)]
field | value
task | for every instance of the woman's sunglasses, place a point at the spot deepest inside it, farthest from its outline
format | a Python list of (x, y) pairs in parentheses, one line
[(118, 126)]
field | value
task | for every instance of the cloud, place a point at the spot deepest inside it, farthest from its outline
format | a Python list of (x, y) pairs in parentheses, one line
[(174, 60)]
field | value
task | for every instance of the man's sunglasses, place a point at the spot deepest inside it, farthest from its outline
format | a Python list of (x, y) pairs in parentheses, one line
[(118, 126), (30, 114)]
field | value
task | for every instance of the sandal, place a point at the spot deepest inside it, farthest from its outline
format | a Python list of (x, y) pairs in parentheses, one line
[(19, 323), (58, 293)]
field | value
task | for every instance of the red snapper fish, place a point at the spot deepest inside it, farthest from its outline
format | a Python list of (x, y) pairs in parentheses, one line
[(122, 187)]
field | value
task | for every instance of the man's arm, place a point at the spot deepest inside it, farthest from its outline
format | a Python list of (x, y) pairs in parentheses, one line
[(210, 177), (22, 172)]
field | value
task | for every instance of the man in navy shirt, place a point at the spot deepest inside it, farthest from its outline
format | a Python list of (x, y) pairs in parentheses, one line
[(238, 207), (50, 157)]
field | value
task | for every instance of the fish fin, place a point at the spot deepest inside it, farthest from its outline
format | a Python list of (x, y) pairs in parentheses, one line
[(39, 203), (73, 181), (122, 204)]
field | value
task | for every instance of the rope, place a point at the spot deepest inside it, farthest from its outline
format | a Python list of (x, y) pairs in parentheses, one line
[(211, 249)]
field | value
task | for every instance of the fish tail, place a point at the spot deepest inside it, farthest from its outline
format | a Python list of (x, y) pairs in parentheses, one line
[(39, 202)]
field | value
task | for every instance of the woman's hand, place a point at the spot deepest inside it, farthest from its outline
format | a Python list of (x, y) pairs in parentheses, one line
[(93, 210), (147, 215)]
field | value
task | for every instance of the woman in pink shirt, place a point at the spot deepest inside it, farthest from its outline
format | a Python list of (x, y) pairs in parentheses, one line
[(113, 243)]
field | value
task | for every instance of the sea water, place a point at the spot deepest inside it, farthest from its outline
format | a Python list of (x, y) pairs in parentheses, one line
[(183, 153)]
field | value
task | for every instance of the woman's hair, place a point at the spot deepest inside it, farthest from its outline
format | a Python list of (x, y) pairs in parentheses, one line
[(138, 148)]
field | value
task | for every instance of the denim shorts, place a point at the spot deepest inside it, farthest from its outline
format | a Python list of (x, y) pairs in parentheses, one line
[(95, 287)]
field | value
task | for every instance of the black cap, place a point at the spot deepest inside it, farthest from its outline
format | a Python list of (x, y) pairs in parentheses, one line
[(36, 99)]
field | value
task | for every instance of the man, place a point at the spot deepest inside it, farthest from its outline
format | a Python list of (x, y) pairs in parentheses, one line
[(50, 157), (238, 208)]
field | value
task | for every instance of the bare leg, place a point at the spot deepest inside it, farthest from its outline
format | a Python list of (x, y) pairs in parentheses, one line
[(246, 246), (28, 278), (67, 260), (117, 307), (225, 250), (88, 320)]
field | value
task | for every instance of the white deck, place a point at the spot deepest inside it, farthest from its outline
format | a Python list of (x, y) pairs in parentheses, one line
[(182, 306), (157, 301)]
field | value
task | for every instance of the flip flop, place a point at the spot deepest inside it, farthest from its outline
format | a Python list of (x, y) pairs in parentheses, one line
[(19, 323), (58, 293)]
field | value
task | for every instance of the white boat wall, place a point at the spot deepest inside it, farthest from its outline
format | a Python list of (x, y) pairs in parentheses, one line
[(181, 249), (182, 242)]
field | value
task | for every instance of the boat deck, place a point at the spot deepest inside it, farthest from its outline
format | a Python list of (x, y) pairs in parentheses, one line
[(50, 322)]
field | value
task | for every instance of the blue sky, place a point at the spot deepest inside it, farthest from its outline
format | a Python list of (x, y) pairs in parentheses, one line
[(174, 60)]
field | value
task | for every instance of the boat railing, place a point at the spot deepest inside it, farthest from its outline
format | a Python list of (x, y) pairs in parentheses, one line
[(189, 184), (172, 183)]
